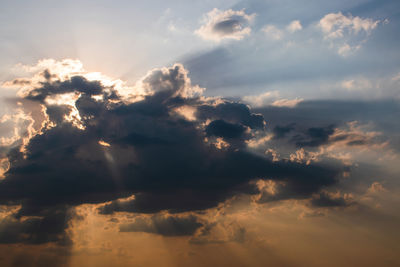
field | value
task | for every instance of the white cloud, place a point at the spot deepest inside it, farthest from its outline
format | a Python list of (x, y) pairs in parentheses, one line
[(290, 103), (262, 99), (228, 24), (346, 33), (357, 84), (63, 70), (271, 98), (273, 32), (294, 26), (337, 25)]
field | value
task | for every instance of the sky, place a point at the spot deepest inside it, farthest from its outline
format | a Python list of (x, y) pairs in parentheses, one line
[(199, 133)]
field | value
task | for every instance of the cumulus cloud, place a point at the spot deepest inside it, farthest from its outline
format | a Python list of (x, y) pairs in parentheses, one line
[(337, 25), (347, 33), (94, 145), (376, 187), (229, 24), (294, 26)]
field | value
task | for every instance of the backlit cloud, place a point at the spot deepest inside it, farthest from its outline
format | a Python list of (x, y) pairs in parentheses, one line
[(95, 146)]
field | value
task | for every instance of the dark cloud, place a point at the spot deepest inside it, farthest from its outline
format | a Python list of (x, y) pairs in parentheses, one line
[(233, 113), (164, 225), (282, 131), (314, 136), (75, 84), (325, 112), (326, 199), (311, 137), (313, 123), (57, 112), (300, 187), (224, 129), (47, 225), (228, 26), (146, 150)]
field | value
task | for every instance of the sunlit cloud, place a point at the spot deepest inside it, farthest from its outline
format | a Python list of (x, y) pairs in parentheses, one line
[(272, 98), (346, 33), (294, 26), (229, 24)]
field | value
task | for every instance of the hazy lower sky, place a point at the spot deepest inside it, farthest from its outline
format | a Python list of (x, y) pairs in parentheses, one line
[(199, 133)]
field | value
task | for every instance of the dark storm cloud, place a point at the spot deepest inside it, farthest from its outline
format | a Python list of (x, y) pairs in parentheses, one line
[(224, 129), (48, 225), (150, 152), (163, 225)]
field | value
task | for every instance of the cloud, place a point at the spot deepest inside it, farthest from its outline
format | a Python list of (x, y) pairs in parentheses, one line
[(277, 33), (331, 137), (328, 199), (287, 102), (224, 129), (376, 187), (311, 137), (356, 84), (314, 136), (281, 131), (47, 225), (166, 225), (270, 98), (311, 214), (337, 25), (294, 26), (347, 33), (220, 231), (276, 190), (273, 32), (93, 145), (228, 24)]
